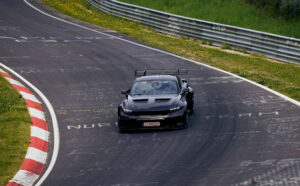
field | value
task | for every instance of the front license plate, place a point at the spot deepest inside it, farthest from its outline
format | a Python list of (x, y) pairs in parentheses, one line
[(151, 124)]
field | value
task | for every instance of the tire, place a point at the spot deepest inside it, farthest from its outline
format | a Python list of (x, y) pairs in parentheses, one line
[(190, 103), (191, 111), (186, 124), (122, 130)]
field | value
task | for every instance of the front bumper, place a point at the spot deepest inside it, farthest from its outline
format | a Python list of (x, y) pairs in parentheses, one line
[(168, 121)]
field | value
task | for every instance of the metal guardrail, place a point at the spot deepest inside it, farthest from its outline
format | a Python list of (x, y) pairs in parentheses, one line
[(273, 46)]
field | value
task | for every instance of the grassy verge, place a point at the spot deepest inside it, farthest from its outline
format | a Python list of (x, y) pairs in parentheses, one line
[(231, 12), (14, 131), (284, 78)]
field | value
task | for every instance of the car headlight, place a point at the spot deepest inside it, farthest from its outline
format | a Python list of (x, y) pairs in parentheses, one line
[(175, 109), (126, 110)]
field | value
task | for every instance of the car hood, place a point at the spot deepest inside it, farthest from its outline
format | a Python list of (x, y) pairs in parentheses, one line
[(151, 103)]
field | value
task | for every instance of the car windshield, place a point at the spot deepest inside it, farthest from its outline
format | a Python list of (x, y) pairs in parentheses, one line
[(154, 87)]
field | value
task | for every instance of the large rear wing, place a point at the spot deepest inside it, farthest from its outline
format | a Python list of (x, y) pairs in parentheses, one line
[(139, 73)]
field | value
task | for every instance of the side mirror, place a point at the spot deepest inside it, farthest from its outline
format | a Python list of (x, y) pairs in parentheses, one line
[(185, 90), (125, 92)]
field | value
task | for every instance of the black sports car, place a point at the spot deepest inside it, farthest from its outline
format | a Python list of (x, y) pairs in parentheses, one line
[(156, 101)]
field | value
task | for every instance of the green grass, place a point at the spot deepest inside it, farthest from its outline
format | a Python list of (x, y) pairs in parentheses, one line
[(231, 12), (284, 78), (14, 131)]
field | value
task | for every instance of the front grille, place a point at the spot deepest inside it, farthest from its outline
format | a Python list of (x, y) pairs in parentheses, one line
[(151, 113)]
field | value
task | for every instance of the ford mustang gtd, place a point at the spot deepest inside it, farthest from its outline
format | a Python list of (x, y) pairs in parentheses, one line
[(156, 101)]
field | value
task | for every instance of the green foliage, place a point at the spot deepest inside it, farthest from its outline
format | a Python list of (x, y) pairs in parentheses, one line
[(288, 9), (14, 131), (225, 46), (262, 81), (273, 16), (243, 50)]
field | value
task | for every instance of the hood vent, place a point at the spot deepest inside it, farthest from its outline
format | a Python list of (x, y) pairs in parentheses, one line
[(160, 100), (140, 100)]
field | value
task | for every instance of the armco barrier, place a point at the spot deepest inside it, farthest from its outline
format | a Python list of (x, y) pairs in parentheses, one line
[(274, 46)]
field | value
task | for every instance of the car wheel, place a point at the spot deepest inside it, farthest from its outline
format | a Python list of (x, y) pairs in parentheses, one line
[(186, 124), (191, 111), (191, 105), (122, 130)]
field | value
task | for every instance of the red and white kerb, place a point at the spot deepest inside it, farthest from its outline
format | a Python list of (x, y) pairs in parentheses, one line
[(37, 152)]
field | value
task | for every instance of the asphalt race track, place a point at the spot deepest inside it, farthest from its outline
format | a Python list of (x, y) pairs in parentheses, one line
[(238, 131)]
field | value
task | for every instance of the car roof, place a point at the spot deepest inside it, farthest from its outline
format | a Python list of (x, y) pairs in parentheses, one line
[(157, 77)]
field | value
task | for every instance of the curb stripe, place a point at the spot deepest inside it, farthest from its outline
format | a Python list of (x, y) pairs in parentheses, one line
[(13, 82), (29, 97), (38, 144), (24, 177), (24, 89), (36, 155), (37, 152), (36, 113), (13, 184), (6, 75), (40, 133), (32, 166), (35, 105), (39, 123)]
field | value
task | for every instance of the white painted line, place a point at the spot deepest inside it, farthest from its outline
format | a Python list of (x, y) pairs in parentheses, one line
[(24, 177), (168, 53), (245, 114), (13, 57), (14, 82), (36, 155), (30, 97), (40, 133), (268, 113), (36, 113), (54, 123)]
